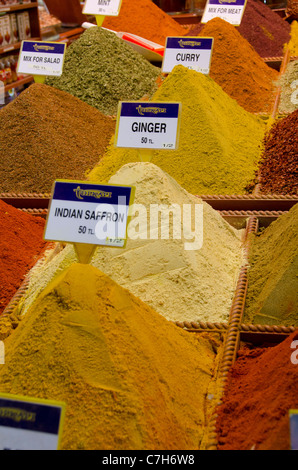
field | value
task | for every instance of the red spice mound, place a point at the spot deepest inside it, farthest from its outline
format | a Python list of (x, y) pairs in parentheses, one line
[(145, 19), (239, 69), (21, 243), (262, 388), (278, 170)]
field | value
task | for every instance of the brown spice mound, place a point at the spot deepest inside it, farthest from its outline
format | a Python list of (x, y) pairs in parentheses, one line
[(279, 162), (239, 69), (47, 134)]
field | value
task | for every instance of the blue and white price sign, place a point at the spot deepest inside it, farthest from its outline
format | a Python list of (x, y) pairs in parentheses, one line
[(144, 125), (293, 414), (30, 424), (230, 10), (102, 7), (41, 58), (191, 52), (87, 213)]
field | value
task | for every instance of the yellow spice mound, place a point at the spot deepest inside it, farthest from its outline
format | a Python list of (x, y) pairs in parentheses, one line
[(130, 379)]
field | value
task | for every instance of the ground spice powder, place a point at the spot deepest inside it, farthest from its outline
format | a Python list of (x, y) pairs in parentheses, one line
[(102, 69), (46, 134), (21, 244), (272, 295), (145, 19), (264, 29), (262, 388), (130, 379), (178, 283), (238, 68), (293, 43), (219, 146), (278, 170), (289, 92)]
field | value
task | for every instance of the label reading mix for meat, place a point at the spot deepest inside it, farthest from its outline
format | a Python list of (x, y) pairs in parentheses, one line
[(230, 10)]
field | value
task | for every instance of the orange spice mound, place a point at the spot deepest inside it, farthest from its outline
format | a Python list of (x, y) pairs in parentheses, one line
[(145, 19), (239, 69)]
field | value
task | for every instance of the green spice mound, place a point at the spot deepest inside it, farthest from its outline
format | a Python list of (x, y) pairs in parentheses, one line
[(272, 297), (220, 142), (102, 70)]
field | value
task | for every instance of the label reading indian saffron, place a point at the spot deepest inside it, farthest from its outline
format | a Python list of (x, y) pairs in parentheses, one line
[(102, 7), (30, 424), (86, 213), (41, 58), (143, 125), (229, 10), (191, 52)]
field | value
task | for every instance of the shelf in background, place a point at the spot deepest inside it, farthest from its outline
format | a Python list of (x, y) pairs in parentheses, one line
[(18, 83), (14, 47), (23, 6)]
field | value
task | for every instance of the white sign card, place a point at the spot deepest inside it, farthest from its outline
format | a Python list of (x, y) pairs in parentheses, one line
[(41, 58), (30, 424), (88, 213), (230, 10), (102, 7), (191, 52), (144, 125)]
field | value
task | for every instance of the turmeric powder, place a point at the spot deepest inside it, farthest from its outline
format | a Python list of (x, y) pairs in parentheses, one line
[(130, 379)]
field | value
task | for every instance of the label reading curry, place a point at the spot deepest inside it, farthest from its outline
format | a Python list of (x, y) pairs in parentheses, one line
[(229, 10), (102, 7), (41, 58), (191, 52), (89, 213), (144, 125), (30, 424)]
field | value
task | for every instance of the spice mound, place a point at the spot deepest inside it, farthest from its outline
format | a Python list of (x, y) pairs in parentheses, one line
[(262, 388), (289, 89), (101, 70), (22, 243), (46, 134), (272, 296), (127, 376), (145, 19), (173, 265), (219, 143), (173, 269), (246, 77), (278, 170)]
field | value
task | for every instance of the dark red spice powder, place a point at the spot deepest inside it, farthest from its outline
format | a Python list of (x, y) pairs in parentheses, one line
[(264, 29), (278, 170), (21, 243), (262, 388)]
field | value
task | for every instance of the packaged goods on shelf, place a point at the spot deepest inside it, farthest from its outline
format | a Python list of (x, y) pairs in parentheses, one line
[(24, 28)]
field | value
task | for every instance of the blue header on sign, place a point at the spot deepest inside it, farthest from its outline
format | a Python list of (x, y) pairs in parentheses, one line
[(189, 43), (29, 416), (231, 3), (166, 110), (43, 47), (100, 194)]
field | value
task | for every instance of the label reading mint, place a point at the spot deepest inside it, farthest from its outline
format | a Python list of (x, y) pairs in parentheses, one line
[(102, 7), (148, 125), (29, 424), (88, 213), (230, 10), (191, 52), (41, 58)]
